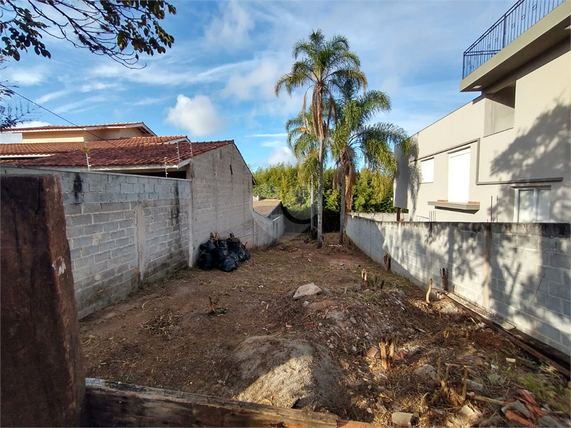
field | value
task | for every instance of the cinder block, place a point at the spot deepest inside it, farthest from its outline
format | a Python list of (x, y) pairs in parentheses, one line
[(99, 257), (100, 218), (89, 250), (82, 263), (81, 220), (81, 242), (562, 291), (113, 206), (93, 228), (566, 306), (551, 274), (561, 261), (72, 209), (550, 332), (109, 227)]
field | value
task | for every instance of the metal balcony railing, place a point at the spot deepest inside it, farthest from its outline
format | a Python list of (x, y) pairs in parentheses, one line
[(520, 17)]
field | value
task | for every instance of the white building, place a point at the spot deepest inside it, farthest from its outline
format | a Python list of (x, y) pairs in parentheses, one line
[(505, 156)]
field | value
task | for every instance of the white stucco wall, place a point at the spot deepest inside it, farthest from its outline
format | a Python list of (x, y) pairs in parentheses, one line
[(536, 151)]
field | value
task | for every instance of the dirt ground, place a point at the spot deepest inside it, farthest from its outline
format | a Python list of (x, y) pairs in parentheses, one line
[(242, 335)]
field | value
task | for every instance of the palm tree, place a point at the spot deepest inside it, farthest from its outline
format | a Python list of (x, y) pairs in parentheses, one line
[(353, 136), (303, 143), (321, 65)]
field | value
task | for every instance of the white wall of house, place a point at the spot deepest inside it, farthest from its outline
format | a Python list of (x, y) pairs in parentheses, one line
[(519, 154)]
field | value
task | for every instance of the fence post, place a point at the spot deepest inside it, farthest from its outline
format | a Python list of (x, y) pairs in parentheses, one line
[(43, 381)]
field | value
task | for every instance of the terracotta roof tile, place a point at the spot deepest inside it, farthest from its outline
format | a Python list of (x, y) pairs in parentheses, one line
[(143, 151)]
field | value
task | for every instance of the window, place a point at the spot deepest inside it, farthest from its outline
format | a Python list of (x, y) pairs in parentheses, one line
[(532, 204), (427, 170), (459, 175)]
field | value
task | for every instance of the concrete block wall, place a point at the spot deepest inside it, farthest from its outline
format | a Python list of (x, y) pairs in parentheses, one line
[(518, 271), (222, 197), (266, 230), (123, 231)]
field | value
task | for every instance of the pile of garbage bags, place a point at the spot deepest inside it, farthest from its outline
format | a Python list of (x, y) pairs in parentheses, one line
[(224, 254)]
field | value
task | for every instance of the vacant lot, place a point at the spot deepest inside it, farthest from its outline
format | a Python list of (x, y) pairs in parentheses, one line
[(242, 335)]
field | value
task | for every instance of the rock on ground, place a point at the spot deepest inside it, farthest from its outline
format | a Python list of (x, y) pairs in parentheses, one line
[(285, 372), (306, 290), (427, 374)]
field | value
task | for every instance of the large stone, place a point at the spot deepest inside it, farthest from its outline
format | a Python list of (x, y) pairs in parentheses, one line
[(285, 372), (306, 290)]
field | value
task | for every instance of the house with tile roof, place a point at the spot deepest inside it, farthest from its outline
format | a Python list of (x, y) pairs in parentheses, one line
[(138, 205), (130, 148)]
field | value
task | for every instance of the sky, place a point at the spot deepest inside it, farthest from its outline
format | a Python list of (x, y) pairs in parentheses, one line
[(217, 81)]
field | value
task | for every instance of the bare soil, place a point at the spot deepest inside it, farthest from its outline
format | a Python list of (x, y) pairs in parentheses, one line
[(241, 335)]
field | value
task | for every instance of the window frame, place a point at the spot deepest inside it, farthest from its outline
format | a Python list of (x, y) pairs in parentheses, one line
[(536, 190)]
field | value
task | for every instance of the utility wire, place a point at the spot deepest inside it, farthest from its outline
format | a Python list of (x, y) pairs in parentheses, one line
[(55, 114), (79, 126)]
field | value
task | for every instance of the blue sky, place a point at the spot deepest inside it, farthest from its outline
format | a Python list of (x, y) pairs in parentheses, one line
[(217, 82)]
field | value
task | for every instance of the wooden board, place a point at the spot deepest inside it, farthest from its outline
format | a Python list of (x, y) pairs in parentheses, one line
[(42, 370), (116, 404)]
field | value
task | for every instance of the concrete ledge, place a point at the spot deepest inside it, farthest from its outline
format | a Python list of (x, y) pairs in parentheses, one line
[(459, 206)]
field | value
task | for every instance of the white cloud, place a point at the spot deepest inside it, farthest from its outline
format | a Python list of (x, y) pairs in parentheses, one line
[(196, 115), (51, 96), (259, 82), (32, 124), (25, 76), (273, 143), (98, 86), (281, 154), (88, 104), (284, 106), (149, 101), (172, 74), (279, 134), (231, 31)]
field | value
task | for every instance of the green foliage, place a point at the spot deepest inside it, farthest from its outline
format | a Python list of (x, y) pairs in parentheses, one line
[(373, 192), (284, 182), (119, 29)]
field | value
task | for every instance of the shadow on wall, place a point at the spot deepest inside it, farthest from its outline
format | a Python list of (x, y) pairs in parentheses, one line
[(530, 268), (543, 151), (408, 179)]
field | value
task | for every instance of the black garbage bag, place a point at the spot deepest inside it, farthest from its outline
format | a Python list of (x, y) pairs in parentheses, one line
[(222, 243), (218, 255), (234, 247), (205, 261), (207, 247), (229, 264), (243, 253)]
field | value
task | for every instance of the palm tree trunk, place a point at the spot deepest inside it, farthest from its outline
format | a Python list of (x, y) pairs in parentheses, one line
[(312, 206), (320, 196), (342, 214)]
